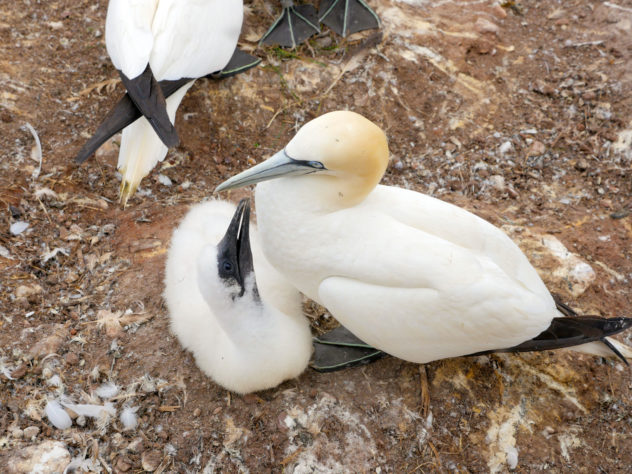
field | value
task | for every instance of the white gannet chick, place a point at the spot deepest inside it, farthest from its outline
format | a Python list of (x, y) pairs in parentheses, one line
[(411, 275), (246, 333), (164, 40)]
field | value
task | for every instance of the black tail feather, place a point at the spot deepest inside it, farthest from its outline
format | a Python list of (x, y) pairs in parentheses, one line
[(571, 313), (572, 331)]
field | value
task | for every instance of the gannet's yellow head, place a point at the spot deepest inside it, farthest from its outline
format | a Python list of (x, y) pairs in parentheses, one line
[(342, 153)]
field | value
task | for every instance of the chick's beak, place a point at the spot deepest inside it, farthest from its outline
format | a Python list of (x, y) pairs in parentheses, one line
[(274, 167), (234, 248), (244, 256)]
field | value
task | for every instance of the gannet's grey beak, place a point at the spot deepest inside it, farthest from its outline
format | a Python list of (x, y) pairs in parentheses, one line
[(277, 165)]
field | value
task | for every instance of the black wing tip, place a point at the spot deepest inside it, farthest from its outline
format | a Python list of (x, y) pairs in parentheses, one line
[(147, 95), (82, 156), (566, 332), (615, 351), (170, 138)]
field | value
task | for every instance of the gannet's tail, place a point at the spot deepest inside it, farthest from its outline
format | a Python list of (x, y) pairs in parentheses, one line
[(581, 333)]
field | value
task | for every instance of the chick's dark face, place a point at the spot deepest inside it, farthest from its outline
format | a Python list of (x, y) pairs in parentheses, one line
[(234, 257)]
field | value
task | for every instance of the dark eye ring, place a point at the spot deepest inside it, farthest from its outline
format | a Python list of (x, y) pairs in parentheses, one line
[(228, 266)]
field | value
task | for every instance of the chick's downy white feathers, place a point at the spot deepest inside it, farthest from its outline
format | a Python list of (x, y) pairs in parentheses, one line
[(243, 344)]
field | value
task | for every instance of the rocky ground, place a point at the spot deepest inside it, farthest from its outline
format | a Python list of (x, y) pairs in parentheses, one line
[(518, 111)]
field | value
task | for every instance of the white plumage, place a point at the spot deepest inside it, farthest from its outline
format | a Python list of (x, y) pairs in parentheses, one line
[(178, 39), (411, 275), (243, 344)]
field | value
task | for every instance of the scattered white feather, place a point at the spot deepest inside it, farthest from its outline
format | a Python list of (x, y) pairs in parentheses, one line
[(57, 415), (54, 381), (81, 464), (148, 384), (5, 369), (129, 418), (95, 374), (170, 450), (53, 253), (164, 180), (45, 193), (37, 153), (108, 390), (511, 457), (4, 252), (89, 410), (18, 227)]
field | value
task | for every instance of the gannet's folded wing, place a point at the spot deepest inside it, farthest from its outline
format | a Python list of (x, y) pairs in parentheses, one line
[(183, 44), (459, 227), (130, 42), (128, 35), (425, 324)]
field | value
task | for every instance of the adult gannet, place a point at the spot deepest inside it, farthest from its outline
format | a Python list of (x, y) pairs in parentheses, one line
[(164, 40), (246, 333), (124, 113), (298, 22), (411, 275)]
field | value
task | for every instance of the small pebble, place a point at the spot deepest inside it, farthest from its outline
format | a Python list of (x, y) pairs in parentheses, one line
[(582, 164), (31, 432), (197, 412), (537, 148), (505, 148), (122, 465), (150, 460), (483, 25), (72, 358)]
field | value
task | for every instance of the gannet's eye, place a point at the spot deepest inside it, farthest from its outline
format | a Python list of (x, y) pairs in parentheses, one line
[(227, 266), (316, 164)]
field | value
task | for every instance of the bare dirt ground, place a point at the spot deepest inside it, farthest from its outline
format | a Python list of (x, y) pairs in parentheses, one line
[(521, 113)]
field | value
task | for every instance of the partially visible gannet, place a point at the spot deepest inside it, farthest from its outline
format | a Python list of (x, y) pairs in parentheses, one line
[(298, 22), (151, 41), (411, 275), (246, 333)]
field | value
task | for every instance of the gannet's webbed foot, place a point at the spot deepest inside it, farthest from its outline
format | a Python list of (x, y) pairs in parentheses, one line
[(295, 25), (339, 349), (347, 16), (239, 62)]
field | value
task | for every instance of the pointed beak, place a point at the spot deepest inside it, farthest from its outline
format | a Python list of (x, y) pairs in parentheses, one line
[(235, 246), (274, 167), (244, 255)]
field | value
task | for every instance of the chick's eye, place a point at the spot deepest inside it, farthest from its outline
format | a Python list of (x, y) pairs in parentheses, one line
[(227, 266)]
